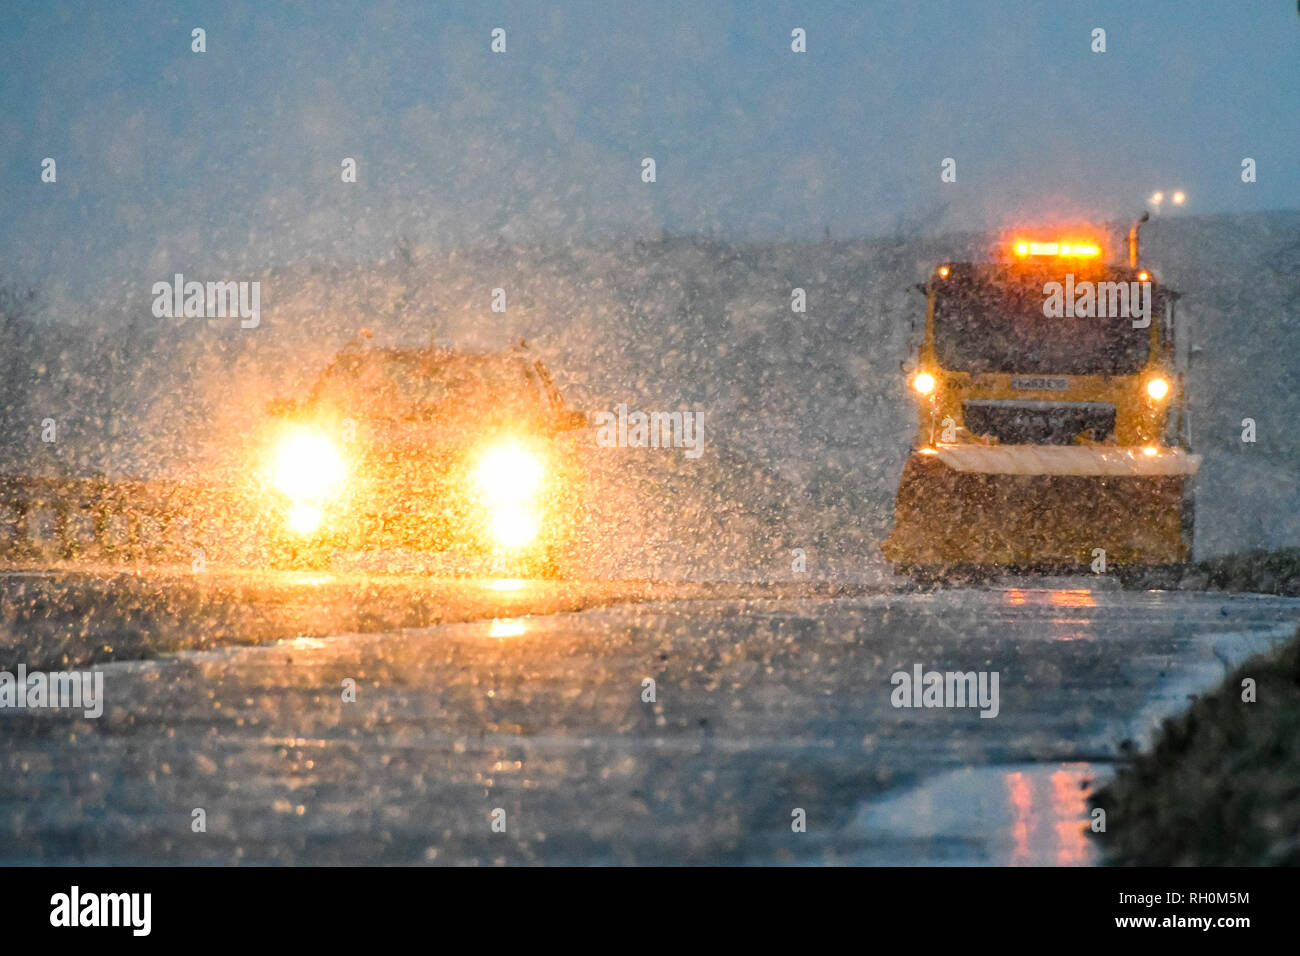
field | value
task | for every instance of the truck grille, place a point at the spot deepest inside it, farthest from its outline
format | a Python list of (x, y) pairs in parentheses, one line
[(1039, 423)]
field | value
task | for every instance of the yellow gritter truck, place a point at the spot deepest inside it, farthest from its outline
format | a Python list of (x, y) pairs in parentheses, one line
[(1053, 431)]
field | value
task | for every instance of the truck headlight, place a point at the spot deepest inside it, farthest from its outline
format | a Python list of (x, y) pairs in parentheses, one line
[(307, 466)]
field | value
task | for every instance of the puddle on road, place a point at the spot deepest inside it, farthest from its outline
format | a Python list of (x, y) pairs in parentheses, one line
[(1012, 815), (1031, 814)]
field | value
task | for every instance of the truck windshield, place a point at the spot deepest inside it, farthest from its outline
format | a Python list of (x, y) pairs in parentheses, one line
[(992, 324)]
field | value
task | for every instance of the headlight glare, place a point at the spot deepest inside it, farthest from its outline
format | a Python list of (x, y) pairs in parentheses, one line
[(508, 475), (307, 466), (513, 526), (1158, 388)]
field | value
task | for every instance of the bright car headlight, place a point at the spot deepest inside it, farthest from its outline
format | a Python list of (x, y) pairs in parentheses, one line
[(513, 526), (508, 475), (304, 519), (1157, 388), (307, 466)]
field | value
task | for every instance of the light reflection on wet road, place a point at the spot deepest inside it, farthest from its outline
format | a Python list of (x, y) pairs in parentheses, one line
[(761, 708)]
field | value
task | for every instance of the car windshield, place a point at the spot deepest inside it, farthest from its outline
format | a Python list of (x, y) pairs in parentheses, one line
[(992, 323), (412, 385)]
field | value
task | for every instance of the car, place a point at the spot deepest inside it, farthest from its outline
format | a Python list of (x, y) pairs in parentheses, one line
[(428, 449)]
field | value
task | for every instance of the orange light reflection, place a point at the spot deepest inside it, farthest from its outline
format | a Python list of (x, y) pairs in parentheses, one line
[(1077, 597), (1070, 810), (507, 627), (1022, 808)]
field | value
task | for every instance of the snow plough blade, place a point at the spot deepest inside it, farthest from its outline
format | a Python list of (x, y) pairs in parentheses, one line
[(1043, 506)]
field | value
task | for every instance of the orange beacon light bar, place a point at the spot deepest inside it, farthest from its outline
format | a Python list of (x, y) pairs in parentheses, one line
[(1025, 248)]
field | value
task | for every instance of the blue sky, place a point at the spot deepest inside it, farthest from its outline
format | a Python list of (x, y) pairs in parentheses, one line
[(172, 161)]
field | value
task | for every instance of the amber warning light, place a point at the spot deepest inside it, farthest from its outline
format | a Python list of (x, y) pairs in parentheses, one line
[(1060, 249)]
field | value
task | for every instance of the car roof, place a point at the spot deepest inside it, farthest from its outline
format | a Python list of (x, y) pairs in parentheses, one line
[(435, 355)]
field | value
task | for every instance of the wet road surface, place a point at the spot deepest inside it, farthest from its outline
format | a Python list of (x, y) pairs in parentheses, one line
[(765, 712)]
